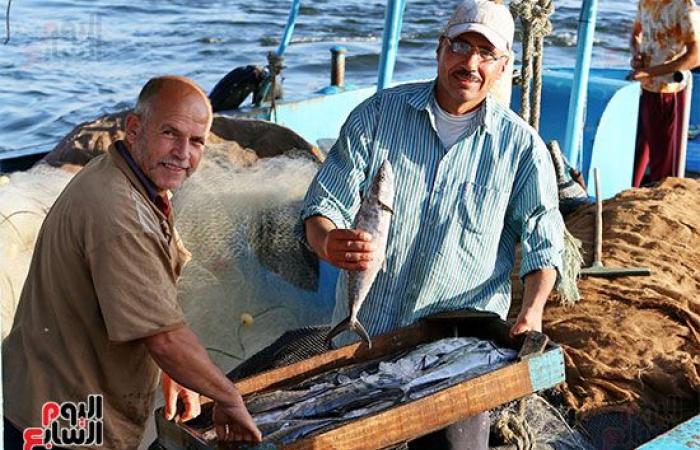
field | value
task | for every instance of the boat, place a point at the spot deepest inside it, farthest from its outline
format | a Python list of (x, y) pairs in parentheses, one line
[(597, 103)]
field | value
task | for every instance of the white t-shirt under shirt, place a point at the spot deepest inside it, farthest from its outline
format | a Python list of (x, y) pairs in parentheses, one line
[(449, 126)]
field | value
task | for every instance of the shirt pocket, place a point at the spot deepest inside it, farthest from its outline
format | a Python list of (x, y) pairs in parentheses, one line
[(481, 210)]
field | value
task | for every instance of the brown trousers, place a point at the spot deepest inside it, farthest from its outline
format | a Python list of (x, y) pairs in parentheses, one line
[(659, 135)]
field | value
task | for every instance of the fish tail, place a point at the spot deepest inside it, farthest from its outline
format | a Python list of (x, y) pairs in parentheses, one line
[(349, 325), (360, 330), (342, 326)]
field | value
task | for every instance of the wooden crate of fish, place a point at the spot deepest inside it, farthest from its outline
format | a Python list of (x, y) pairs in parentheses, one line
[(408, 384)]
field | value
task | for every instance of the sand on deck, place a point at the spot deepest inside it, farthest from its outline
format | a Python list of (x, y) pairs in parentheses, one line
[(632, 344)]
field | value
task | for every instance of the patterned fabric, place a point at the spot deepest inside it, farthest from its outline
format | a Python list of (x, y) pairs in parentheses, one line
[(163, 204), (162, 201), (458, 211), (667, 26)]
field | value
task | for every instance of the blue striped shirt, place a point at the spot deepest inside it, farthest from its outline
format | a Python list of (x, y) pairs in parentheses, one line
[(459, 211)]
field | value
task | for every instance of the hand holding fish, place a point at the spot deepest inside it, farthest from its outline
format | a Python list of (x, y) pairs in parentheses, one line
[(638, 61), (233, 423), (349, 249), (352, 248)]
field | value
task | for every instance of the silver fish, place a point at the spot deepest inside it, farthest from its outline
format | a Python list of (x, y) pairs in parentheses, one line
[(343, 399), (449, 382), (374, 217), (268, 401), (464, 360), (290, 431)]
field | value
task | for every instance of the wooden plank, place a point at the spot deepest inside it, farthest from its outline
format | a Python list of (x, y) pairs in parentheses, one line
[(382, 346), (425, 415)]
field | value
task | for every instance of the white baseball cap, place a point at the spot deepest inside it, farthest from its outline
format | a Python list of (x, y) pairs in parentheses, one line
[(486, 17)]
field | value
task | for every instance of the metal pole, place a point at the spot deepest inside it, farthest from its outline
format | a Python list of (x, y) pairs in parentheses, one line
[(390, 42), (598, 250), (338, 65), (682, 153), (577, 102), (289, 29)]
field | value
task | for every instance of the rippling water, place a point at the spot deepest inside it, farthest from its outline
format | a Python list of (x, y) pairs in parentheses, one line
[(68, 62)]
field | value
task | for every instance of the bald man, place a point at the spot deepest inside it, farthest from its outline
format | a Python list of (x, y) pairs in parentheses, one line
[(98, 315)]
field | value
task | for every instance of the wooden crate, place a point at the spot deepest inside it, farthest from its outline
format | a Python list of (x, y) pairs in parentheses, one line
[(535, 370)]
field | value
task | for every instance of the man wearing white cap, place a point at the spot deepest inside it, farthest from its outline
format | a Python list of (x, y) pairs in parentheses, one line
[(472, 179)]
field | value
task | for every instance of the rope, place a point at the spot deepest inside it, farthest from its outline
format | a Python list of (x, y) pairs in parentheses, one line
[(572, 262), (534, 16), (7, 23), (513, 427), (275, 64), (541, 27), (523, 10), (571, 195)]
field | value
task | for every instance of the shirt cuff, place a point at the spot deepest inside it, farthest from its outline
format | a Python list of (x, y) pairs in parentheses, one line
[(544, 259), (325, 210)]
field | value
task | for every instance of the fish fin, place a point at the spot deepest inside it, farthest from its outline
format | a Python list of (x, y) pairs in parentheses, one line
[(386, 207), (342, 326)]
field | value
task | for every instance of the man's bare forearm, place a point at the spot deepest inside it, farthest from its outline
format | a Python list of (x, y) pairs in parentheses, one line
[(538, 285), (689, 60), (182, 357), (317, 228)]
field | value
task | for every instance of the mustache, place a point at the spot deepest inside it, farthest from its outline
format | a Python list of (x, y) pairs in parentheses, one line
[(472, 75)]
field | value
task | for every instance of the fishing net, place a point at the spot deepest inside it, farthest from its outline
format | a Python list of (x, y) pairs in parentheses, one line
[(293, 346), (533, 423), (249, 279), (25, 198)]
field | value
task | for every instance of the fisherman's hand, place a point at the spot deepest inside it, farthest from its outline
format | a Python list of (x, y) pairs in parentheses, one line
[(171, 392), (638, 75), (528, 320), (637, 61), (232, 422), (349, 249)]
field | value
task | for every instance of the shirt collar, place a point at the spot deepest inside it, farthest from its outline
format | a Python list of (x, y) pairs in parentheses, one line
[(145, 181), (423, 98)]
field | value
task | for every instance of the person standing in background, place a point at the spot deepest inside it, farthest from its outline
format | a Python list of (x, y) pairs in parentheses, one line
[(664, 42)]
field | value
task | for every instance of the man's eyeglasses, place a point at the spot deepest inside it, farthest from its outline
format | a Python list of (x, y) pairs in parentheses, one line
[(465, 48)]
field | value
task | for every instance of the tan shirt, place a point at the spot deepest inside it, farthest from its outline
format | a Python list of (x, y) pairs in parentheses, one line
[(667, 26), (102, 276)]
